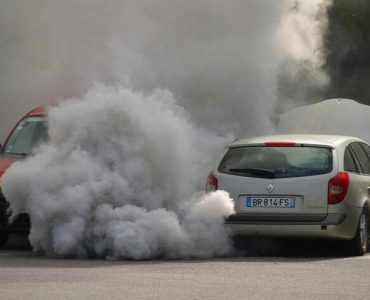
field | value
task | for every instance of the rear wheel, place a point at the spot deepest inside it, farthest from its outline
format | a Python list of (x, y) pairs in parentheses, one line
[(359, 244), (3, 239)]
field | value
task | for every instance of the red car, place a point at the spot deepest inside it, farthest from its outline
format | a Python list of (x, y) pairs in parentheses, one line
[(29, 132)]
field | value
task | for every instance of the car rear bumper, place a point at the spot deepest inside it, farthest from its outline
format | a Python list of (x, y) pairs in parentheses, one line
[(330, 226), (287, 219)]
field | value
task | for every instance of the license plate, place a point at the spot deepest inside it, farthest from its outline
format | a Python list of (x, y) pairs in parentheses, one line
[(279, 202)]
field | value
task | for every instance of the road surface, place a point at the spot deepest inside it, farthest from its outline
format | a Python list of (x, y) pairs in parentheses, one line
[(297, 275)]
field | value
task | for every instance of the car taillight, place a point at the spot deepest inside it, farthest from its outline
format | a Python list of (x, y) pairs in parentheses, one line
[(338, 187), (212, 183)]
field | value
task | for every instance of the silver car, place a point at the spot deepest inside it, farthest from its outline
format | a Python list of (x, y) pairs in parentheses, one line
[(300, 186)]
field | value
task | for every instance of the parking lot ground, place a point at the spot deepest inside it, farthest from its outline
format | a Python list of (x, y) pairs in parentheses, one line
[(294, 275)]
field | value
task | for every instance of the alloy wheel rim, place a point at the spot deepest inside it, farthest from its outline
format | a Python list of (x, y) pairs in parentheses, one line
[(363, 232)]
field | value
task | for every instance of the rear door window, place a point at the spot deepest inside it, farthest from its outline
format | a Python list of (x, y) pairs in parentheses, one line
[(362, 157), (349, 162), (366, 148), (277, 162)]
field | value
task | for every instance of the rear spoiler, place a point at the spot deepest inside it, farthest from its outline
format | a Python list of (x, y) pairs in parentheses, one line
[(282, 144)]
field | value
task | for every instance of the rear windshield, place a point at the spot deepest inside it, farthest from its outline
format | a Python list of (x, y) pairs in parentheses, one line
[(29, 133), (277, 162)]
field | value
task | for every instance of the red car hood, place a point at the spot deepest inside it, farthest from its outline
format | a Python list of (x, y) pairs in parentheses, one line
[(6, 161)]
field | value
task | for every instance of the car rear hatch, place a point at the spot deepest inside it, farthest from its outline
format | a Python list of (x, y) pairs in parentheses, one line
[(274, 182)]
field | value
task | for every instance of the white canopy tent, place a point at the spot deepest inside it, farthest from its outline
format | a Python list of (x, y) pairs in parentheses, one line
[(333, 116)]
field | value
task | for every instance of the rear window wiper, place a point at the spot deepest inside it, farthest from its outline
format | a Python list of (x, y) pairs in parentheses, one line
[(254, 171)]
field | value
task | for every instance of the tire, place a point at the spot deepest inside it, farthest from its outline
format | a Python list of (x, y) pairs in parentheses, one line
[(3, 239), (359, 244)]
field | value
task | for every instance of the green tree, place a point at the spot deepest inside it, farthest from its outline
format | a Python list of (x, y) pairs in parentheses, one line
[(347, 49)]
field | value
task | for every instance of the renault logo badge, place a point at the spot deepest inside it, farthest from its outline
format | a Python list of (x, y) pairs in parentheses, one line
[(270, 188)]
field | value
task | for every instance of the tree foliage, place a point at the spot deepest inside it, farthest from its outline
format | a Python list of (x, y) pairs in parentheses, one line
[(347, 49)]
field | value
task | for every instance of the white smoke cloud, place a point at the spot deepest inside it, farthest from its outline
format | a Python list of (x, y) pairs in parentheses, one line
[(121, 174), (301, 34), (220, 58), (301, 31), (118, 179)]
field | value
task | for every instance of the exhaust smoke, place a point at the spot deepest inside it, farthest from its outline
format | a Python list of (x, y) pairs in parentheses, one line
[(118, 179), (122, 174)]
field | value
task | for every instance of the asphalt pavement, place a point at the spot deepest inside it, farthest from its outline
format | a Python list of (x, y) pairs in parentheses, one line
[(302, 273)]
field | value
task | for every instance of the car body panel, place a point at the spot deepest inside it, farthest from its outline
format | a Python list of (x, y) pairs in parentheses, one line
[(6, 161), (358, 193), (37, 111)]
